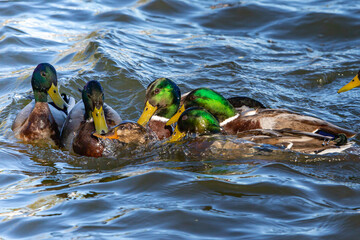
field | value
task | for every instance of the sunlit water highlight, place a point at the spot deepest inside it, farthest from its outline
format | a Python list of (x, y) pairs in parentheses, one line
[(288, 54)]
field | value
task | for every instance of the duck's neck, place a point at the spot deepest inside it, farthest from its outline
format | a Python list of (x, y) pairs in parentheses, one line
[(40, 96), (168, 112), (87, 114)]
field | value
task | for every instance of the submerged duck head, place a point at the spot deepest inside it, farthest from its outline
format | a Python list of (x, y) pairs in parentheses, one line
[(208, 99), (162, 99), (93, 98), (195, 120), (44, 83), (355, 82)]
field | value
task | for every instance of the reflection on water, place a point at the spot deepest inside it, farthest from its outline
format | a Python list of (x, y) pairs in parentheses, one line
[(293, 55)]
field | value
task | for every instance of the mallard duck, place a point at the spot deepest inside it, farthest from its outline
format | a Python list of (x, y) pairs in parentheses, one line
[(355, 82), (125, 137), (163, 98), (39, 121), (195, 120), (128, 132), (162, 102), (88, 116), (233, 122)]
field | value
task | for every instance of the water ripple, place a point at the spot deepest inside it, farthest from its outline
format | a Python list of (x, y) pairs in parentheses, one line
[(293, 55)]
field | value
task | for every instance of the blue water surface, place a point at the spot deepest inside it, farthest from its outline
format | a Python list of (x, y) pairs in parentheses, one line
[(286, 54)]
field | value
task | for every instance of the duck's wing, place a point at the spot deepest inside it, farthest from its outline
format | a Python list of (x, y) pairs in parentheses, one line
[(61, 114), (23, 115), (111, 116), (284, 119), (72, 124), (58, 115), (294, 140), (71, 103)]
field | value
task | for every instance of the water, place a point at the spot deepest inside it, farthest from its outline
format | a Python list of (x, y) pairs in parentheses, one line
[(289, 54)]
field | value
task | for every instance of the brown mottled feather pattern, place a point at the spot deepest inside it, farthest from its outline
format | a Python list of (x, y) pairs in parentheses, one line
[(162, 131), (295, 140), (131, 133), (40, 125), (282, 119), (240, 124)]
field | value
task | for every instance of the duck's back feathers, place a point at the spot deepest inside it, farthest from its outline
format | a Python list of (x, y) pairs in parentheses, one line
[(72, 124), (112, 117), (59, 116), (239, 102), (283, 119), (298, 141)]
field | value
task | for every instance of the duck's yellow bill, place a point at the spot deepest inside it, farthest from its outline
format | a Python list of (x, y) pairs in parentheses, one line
[(176, 116), (177, 135), (110, 135), (99, 120), (148, 112), (56, 97), (355, 82)]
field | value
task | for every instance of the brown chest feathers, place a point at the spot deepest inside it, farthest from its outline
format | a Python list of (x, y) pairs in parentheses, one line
[(162, 131), (85, 143), (40, 126)]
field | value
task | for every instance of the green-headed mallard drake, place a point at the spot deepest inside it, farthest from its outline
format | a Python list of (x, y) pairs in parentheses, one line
[(233, 122), (163, 98), (195, 120), (355, 82), (162, 102), (88, 116), (39, 121), (198, 121)]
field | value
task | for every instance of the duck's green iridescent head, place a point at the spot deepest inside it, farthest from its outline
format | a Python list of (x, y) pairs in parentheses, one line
[(162, 99), (44, 82), (195, 120), (208, 99), (93, 98), (355, 82)]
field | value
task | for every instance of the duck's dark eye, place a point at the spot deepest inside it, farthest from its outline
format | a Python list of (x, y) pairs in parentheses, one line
[(157, 91), (43, 74), (54, 91)]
